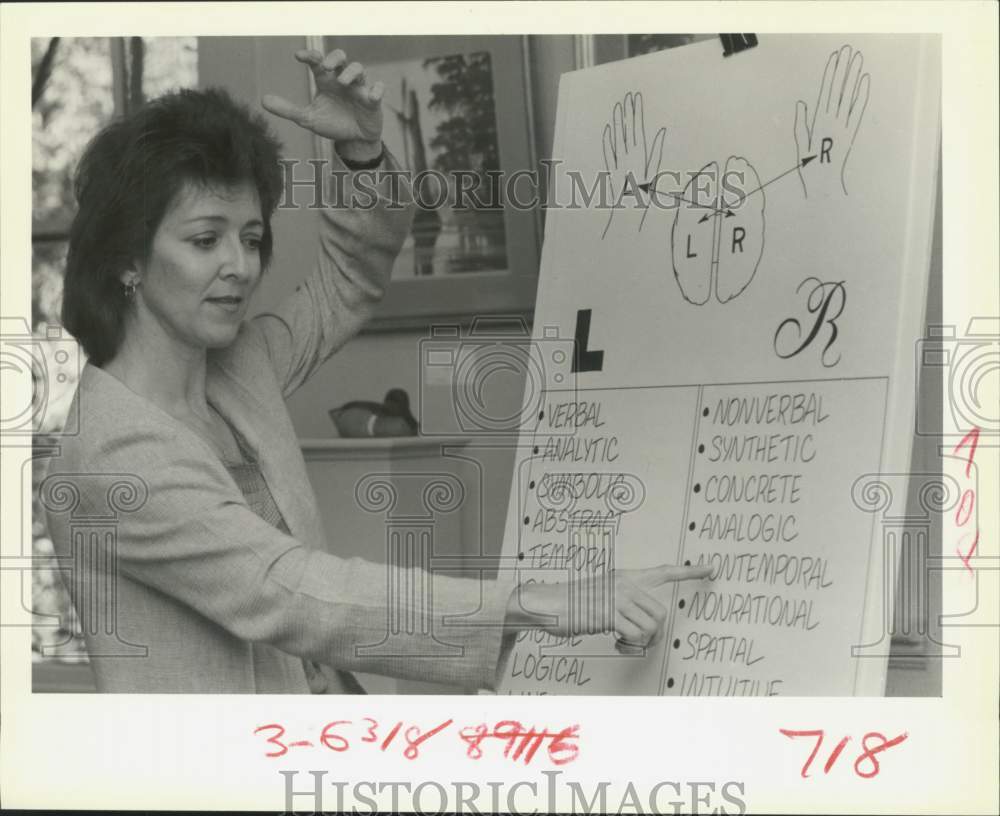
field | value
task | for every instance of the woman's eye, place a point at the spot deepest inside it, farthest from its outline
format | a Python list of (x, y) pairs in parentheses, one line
[(253, 242), (204, 241)]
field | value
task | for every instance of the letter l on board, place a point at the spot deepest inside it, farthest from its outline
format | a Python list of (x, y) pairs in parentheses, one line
[(583, 358)]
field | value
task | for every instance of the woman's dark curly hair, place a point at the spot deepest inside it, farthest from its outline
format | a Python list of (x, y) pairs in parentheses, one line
[(125, 182)]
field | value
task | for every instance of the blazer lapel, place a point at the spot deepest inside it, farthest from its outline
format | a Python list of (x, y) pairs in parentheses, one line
[(275, 446), (261, 428)]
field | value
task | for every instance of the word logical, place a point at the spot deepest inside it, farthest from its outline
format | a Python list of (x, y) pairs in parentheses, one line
[(569, 671)]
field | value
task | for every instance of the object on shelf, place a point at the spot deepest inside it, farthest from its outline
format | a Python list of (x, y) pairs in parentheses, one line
[(391, 417)]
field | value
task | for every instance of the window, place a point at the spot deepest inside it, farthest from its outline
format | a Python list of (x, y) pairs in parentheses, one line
[(79, 84)]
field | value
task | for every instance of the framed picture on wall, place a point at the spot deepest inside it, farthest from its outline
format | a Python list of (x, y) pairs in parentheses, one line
[(457, 113)]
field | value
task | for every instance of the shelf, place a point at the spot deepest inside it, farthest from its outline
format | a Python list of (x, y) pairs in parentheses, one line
[(395, 447)]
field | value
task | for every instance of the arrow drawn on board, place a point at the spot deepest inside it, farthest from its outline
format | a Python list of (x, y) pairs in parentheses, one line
[(798, 166), (728, 213), (645, 187)]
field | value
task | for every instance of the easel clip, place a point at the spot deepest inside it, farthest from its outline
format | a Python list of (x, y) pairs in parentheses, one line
[(734, 43)]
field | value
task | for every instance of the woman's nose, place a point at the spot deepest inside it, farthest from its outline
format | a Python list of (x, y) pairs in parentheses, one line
[(236, 263)]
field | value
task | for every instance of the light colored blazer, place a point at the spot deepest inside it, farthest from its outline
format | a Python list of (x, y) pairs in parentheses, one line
[(220, 600)]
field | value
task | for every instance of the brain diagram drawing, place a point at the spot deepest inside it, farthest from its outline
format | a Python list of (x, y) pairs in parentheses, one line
[(717, 236)]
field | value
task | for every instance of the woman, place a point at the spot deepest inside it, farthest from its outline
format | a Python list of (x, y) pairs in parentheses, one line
[(219, 580)]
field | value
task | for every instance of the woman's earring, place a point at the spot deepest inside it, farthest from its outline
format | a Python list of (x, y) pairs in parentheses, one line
[(129, 289)]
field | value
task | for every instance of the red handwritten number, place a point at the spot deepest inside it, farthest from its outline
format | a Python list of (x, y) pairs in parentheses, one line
[(509, 730), (812, 756), (473, 737), (869, 753), (274, 740), (967, 557), (414, 742), (972, 439), (835, 755), (327, 737), (371, 731), (520, 743), (968, 498), (972, 435), (560, 746)]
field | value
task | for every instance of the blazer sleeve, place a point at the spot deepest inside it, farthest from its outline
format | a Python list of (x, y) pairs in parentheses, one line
[(360, 235), (196, 540)]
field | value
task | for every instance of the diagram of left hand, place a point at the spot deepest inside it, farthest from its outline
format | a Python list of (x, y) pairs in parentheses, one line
[(630, 159)]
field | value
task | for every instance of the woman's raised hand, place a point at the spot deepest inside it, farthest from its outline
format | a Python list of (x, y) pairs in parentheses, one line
[(621, 601), (345, 109)]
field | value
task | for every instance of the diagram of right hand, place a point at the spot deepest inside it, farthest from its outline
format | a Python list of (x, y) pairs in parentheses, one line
[(622, 601), (630, 159), (840, 107)]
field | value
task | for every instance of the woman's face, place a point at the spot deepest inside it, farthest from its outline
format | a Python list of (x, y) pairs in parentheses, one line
[(203, 267)]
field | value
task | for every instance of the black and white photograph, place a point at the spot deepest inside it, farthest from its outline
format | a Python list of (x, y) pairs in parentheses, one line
[(466, 368)]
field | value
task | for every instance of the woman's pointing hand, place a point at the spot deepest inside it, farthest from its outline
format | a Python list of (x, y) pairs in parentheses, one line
[(620, 601)]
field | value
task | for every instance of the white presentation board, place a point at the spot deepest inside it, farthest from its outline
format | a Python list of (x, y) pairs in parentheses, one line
[(745, 352)]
